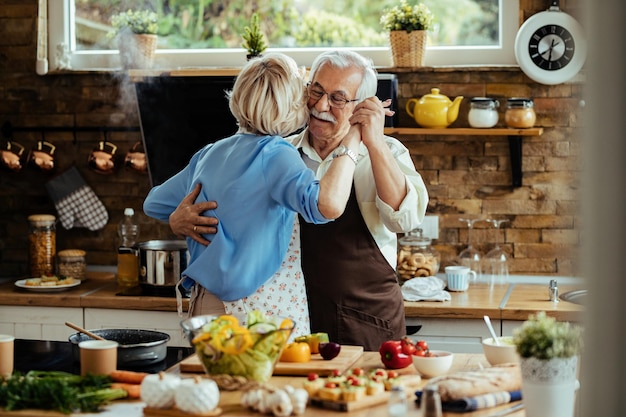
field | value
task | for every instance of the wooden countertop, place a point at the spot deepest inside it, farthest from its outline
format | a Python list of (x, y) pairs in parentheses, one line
[(505, 302)]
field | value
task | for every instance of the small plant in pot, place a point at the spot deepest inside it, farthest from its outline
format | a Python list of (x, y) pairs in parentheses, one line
[(253, 39), (549, 351), (136, 33)]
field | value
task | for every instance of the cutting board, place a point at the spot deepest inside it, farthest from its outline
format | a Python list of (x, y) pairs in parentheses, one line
[(346, 358)]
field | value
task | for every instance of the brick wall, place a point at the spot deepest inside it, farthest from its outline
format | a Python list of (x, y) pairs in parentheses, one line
[(465, 176)]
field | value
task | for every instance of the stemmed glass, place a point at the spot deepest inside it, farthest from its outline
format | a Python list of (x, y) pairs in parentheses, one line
[(496, 258), (470, 256)]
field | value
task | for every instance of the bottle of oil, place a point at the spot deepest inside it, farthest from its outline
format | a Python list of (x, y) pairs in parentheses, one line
[(127, 252)]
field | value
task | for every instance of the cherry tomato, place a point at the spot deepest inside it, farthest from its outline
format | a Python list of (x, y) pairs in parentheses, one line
[(422, 344), (408, 347), (296, 352)]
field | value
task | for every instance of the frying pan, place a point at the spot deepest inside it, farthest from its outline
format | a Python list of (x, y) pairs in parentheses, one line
[(136, 347)]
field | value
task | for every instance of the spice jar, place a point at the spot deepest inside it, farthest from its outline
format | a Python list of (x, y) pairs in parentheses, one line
[(416, 257), (520, 113), (483, 112), (72, 263), (42, 245)]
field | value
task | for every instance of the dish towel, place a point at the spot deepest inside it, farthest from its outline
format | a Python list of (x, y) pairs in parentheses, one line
[(478, 402), (425, 289)]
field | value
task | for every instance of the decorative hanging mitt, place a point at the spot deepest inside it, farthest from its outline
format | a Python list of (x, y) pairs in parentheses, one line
[(77, 204)]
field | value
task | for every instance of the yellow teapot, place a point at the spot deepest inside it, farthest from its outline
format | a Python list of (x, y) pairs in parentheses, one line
[(434, 110)]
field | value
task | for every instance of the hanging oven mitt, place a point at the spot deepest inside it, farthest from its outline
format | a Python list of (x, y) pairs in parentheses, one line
[(77, 204)]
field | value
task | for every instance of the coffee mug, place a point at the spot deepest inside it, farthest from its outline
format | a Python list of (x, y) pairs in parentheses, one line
[(458, 277), (7, 355), (98, 357)]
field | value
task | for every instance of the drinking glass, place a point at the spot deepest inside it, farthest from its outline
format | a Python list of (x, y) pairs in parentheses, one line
[(470, 256), (496, 265)]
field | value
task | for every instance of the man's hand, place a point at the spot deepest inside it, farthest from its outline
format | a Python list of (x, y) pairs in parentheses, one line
[(370, 114), (187, 220)]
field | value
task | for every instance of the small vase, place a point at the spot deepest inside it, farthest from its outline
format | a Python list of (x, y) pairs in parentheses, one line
[(407, 48), (137, 50), (549, 386)]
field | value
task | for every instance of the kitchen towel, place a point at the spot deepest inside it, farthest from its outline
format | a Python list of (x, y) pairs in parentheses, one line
[(478, 402), (77, 204), (425, 289)]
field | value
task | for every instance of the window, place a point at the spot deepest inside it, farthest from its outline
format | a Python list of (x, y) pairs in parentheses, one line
[(488, 25)]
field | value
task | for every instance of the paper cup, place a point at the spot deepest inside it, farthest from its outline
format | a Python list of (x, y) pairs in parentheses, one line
[(7, 355), (98, 357)]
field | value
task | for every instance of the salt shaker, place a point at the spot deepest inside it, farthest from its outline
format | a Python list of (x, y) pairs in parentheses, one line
[(431, 402), (396, 405)]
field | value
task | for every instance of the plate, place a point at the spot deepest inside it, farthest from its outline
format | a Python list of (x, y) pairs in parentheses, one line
[(22, 284)]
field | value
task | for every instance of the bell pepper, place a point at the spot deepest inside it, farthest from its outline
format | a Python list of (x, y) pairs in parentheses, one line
[(392, 356), (296, 352)]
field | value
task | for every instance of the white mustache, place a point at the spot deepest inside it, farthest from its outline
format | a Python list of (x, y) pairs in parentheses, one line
[(326, 116)]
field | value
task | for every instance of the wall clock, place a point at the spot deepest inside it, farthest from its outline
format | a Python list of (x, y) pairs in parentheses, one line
[(550, 46)]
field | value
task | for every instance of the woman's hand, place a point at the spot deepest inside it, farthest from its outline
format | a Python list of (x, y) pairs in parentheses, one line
[(187, 220)]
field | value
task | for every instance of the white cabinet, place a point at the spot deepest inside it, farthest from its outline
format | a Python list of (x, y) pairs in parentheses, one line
[(39, 323), (453, 335), (162, 321)]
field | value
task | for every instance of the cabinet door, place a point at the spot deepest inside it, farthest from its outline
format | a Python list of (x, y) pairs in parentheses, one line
[(162, 321), (39, 323), (453, 335)]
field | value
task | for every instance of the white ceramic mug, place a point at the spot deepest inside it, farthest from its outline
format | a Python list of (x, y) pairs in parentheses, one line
[(98, 357), (7, 355), (458, 277)]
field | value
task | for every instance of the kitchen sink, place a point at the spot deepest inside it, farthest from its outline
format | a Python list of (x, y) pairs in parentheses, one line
[(575, 296)]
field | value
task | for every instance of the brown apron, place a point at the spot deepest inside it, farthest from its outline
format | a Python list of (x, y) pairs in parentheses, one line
[(353, 292)]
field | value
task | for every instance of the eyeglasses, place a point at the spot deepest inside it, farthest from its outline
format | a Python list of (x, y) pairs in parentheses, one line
[(337, 100)]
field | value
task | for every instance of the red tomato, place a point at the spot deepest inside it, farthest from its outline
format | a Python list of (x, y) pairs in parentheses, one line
[(422, 344), (358, 371), (312, 376), (330, 385)]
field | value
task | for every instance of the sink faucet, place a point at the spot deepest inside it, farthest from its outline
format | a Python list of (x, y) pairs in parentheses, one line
[(553, 291)]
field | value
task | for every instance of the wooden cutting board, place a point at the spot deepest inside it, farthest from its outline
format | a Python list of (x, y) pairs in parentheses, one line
[(346, 358)]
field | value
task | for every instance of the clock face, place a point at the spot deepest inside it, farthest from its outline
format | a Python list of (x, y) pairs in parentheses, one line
[(551, 47)]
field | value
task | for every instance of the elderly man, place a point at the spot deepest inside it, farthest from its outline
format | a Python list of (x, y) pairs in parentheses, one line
[(349, 264)]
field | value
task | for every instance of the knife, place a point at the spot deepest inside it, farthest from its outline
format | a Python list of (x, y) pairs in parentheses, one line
[(508, 411)]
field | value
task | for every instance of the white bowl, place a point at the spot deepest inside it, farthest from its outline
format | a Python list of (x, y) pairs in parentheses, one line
[(504, 353), (431, 366)]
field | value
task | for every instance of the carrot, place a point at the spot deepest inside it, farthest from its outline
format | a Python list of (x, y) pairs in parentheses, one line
[(128, 377), (133, 390)]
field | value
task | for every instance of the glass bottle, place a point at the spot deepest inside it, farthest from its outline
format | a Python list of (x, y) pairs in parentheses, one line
[(483, 112), (416, 257), (520, 113), (127, 252), (42, 245), (431, 402), (396, 405)]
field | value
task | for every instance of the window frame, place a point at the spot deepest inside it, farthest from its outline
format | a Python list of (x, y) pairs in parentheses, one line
[(60, 32)]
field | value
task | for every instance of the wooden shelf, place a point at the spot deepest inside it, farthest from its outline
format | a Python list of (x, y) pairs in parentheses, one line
[(514, 136), (464, 131)]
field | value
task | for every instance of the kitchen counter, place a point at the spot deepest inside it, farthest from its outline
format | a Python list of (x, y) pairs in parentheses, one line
[(230, 400), (513, 301)]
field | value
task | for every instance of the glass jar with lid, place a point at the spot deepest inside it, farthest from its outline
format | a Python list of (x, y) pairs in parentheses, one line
[(72, 263), (520, 113), (416, 257), (483, 112), (42, 245)]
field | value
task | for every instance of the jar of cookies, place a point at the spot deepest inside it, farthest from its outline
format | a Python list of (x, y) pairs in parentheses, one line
[(72, 263), (42, 245), (416, 257)]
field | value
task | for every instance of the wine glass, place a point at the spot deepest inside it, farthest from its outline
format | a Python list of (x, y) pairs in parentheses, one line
[(497, 268), (470, 256)]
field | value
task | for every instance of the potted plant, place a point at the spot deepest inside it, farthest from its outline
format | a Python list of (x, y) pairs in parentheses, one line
[(549, 352), (136, 33), (407, 25), (253, 38)]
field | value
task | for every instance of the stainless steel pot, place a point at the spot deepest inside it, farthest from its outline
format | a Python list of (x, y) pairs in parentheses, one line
[(161, 262), (136, 347)]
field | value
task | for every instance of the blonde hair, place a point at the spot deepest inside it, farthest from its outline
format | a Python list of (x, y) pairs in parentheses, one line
[(269, 96)]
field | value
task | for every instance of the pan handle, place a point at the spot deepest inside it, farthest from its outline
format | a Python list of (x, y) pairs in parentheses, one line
[(87, 332)]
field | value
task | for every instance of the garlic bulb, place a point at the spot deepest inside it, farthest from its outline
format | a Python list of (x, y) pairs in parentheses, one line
[(197, 395), (280, 403), (157, 390), (299, 398)]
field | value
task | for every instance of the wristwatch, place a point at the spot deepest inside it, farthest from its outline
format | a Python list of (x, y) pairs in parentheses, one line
[(344, 150)]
